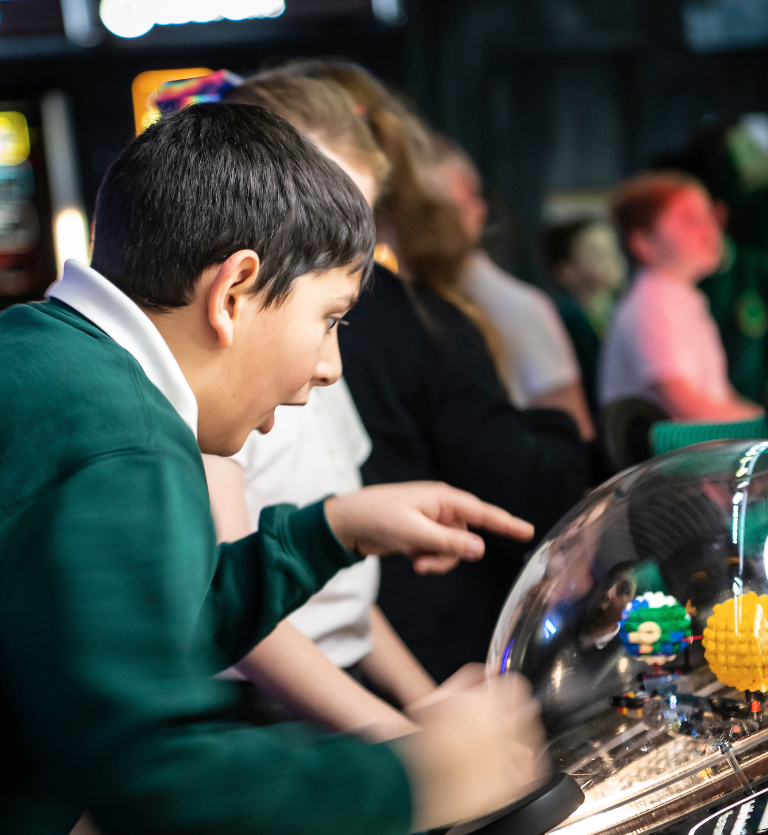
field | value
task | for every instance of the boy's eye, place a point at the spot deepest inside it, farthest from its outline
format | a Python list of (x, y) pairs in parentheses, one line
[(332, 322)]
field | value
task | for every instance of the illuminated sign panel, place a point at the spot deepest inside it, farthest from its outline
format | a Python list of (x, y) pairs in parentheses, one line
[(133, 18), (14, 138), (145, 86)]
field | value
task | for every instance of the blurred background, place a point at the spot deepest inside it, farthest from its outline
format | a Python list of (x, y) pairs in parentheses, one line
[(555, 100)]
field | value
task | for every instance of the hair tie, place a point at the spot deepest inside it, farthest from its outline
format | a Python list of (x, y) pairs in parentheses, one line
[(360, 110), (175, 95)]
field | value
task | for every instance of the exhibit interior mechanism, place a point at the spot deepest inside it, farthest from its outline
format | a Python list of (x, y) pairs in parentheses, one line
[(642, 622)]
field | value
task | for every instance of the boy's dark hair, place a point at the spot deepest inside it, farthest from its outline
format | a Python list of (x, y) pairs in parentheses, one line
[(556, 241), (215, 178), (639, 201)]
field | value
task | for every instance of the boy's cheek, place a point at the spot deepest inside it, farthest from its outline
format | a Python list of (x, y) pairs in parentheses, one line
[(299, 397)]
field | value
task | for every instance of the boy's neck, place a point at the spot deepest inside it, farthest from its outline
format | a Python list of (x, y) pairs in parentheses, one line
[(193, 346), (676, 274)]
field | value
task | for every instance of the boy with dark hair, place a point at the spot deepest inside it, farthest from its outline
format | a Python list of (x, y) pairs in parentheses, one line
[(227, 248), (738, 291), (664, 345), (308, 222)]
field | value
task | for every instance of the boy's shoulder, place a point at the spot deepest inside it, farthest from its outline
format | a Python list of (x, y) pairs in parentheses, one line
[(70, 393), (645, 293), (490, 284), (55, 356)]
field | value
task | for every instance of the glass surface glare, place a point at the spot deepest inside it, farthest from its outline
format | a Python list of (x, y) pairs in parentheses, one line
[(134, 18), (642, 622)]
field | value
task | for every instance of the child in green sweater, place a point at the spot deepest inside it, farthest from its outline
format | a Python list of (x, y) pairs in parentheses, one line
[(226, 248)]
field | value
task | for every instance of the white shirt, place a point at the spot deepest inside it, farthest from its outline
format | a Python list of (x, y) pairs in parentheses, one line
[(538, 354), (96, 298), (312, 452), (662, 330)]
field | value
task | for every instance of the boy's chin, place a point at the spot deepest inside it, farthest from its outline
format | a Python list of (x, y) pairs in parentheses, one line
[(266, 426)]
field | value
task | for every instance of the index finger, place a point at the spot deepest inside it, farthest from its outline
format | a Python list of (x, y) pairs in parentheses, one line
[(434, 563), (479, 514)]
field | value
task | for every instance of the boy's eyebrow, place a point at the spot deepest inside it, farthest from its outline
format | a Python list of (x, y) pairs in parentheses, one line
[(349, 301)]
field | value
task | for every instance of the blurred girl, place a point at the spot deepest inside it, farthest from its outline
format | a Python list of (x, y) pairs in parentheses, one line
[(664, 344), (539, 367), (312, 452), (418, 359)]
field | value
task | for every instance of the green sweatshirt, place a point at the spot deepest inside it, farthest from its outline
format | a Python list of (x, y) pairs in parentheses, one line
[(116, 608)]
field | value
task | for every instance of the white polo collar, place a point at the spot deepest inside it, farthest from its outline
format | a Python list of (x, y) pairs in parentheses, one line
[(96, 298)]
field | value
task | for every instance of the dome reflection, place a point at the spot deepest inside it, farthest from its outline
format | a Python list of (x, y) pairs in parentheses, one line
[(642, 624)]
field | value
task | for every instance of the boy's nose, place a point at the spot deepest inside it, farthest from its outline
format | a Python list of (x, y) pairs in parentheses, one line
[(328, 369)]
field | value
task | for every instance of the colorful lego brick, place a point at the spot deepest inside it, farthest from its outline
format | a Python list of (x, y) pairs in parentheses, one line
[(654, 627), (736, 642)]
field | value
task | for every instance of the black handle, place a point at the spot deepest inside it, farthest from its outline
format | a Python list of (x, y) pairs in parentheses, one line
[(534, 814)]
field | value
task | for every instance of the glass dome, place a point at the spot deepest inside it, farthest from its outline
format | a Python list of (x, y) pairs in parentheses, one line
[(642, 622)]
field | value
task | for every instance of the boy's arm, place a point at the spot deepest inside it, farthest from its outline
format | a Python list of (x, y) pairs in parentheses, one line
[(263, 577), (107, 662), (684, 402), (662, 353), (290, 667), (571, 399), (392, 667)]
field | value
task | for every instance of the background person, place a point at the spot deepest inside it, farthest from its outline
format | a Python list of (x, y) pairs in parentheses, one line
[(587, 270), (539, 367), (738, 289), (730, 158), (428, 391), (198, 317), (663, 344), (311, 452)]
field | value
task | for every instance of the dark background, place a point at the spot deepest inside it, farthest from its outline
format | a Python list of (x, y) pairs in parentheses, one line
[(547, 95)]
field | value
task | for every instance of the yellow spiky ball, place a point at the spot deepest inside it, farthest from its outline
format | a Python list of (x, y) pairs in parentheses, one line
[(736, 642)]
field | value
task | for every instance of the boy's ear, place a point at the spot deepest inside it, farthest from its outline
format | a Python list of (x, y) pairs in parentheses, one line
[(230, 289), (721, 213), (640, 245)]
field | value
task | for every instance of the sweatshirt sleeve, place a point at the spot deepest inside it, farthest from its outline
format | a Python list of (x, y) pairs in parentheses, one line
[(262, 578), (108, 650)]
